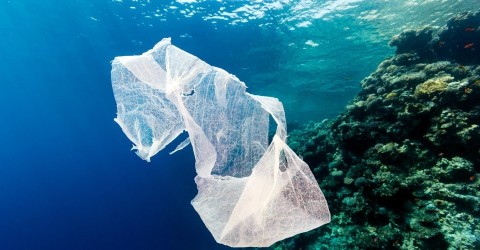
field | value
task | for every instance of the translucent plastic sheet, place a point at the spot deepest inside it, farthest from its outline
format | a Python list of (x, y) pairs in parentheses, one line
[(250, 192)]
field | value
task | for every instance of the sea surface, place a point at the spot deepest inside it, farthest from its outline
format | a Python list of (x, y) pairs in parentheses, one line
[(68, 179)]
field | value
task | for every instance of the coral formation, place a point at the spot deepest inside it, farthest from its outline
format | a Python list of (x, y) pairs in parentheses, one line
[(459, 40), (432, 86), (400, 166)]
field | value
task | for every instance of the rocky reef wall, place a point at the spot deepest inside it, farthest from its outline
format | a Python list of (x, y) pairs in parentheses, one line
[(400, 166)]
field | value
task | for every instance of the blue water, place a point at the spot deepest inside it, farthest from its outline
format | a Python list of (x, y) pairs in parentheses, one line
[(67, 177)]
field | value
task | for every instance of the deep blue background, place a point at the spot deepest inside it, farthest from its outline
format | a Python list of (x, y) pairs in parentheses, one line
[(67, 177)]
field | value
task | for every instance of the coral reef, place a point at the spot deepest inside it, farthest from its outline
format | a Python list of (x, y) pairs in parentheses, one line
[(400, 166), (459, 40)]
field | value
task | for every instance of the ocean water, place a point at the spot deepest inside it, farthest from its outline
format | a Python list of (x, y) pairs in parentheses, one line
[(68, 179)]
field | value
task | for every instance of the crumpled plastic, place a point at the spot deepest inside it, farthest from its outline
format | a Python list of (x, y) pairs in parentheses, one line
[(251, 193)]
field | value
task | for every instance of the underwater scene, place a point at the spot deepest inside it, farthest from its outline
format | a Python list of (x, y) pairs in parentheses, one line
[(220, 124)]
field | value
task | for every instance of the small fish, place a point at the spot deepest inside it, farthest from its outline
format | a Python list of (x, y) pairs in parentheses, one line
[(469, 29), (468, 46), (472, 178)]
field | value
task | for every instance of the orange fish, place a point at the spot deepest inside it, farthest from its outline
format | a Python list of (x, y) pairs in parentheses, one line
[(468, 46), (469, 29)]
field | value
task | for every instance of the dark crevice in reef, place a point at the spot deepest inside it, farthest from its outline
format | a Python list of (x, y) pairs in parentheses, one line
[(400, 166)]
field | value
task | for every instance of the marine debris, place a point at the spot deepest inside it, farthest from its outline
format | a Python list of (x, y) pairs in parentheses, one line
[(251, 193)]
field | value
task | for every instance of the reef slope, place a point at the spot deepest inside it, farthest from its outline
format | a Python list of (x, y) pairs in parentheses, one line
[(400, 166)]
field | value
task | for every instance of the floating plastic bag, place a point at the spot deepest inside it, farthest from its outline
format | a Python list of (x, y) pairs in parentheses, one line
[(250, 193)]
